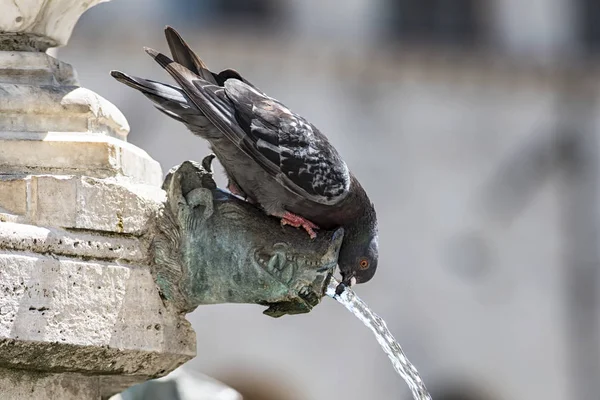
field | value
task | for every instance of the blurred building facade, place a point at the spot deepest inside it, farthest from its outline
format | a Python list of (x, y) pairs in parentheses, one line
[(474, 126)]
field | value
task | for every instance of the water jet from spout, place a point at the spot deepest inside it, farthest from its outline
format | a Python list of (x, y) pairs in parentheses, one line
[(384, 337)]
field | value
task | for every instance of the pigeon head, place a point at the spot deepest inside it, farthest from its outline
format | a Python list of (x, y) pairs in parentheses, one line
[(367, 264), (359, 253)]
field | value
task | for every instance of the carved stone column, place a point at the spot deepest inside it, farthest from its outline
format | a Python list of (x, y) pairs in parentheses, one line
[(80, 316)]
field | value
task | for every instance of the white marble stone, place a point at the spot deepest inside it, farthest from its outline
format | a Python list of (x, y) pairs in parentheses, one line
[(39, 24), (76, 218), (23, 385), (80, 202), (61, 313), (39, 94), (30, 238), (29, 68), (76, 153)]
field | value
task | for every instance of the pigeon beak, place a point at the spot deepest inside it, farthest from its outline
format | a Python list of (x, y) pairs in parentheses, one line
[(344, 284)]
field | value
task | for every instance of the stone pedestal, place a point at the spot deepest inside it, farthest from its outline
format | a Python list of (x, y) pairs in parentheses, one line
[(80, 315)]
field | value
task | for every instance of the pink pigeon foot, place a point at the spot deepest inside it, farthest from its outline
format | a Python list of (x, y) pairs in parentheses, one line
[(297, 221), (234, 189)]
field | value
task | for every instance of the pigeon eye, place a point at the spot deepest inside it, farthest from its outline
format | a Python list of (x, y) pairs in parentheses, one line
[(364, 263)]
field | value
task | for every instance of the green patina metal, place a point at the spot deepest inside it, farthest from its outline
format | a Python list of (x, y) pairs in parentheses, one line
[(212, 247)]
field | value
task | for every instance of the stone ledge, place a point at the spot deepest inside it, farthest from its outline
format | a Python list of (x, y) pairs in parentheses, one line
[(45, 23), (5, 216), (60, 314), (35, 69), (57, 357), (72, 153), (26, 108), (41, 240), (13, 195), (24, 385), (75, 202), (19, 384)]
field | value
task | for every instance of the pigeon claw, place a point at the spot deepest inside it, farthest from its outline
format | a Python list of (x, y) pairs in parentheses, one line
[(297, 221), (234, 189)]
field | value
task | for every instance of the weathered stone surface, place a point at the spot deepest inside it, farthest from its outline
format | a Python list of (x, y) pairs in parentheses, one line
[(27, 385), (40, 94), (80, 314), (13, 194), (31, 385), (72, 244), (38, 24), (5, 216), (21, 67), (77, 154), (63, 314), (45, 109), (79, 202)]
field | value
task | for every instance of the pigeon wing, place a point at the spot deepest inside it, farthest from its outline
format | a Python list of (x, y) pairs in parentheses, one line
[(301, 157), (284, 144)]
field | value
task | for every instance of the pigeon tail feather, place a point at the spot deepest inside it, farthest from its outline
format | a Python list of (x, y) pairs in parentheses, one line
[(166, 98), (182, 54), (172, 101)]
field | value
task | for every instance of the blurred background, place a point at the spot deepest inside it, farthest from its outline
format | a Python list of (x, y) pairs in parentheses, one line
[(473, 124)]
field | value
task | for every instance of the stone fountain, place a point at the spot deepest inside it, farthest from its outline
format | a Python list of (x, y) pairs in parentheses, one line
[(75, 202)]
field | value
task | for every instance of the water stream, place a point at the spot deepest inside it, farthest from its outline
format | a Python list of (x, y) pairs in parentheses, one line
[(386, 340)]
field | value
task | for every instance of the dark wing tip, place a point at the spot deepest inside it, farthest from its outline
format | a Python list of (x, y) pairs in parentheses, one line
[(172, 35), (183, 54), (121, 77), (153, 53), (117, 74), (169, 30), (160, 58), (126, 79)]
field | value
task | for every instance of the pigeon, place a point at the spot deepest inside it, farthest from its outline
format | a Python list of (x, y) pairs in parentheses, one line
[(273, 157)]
